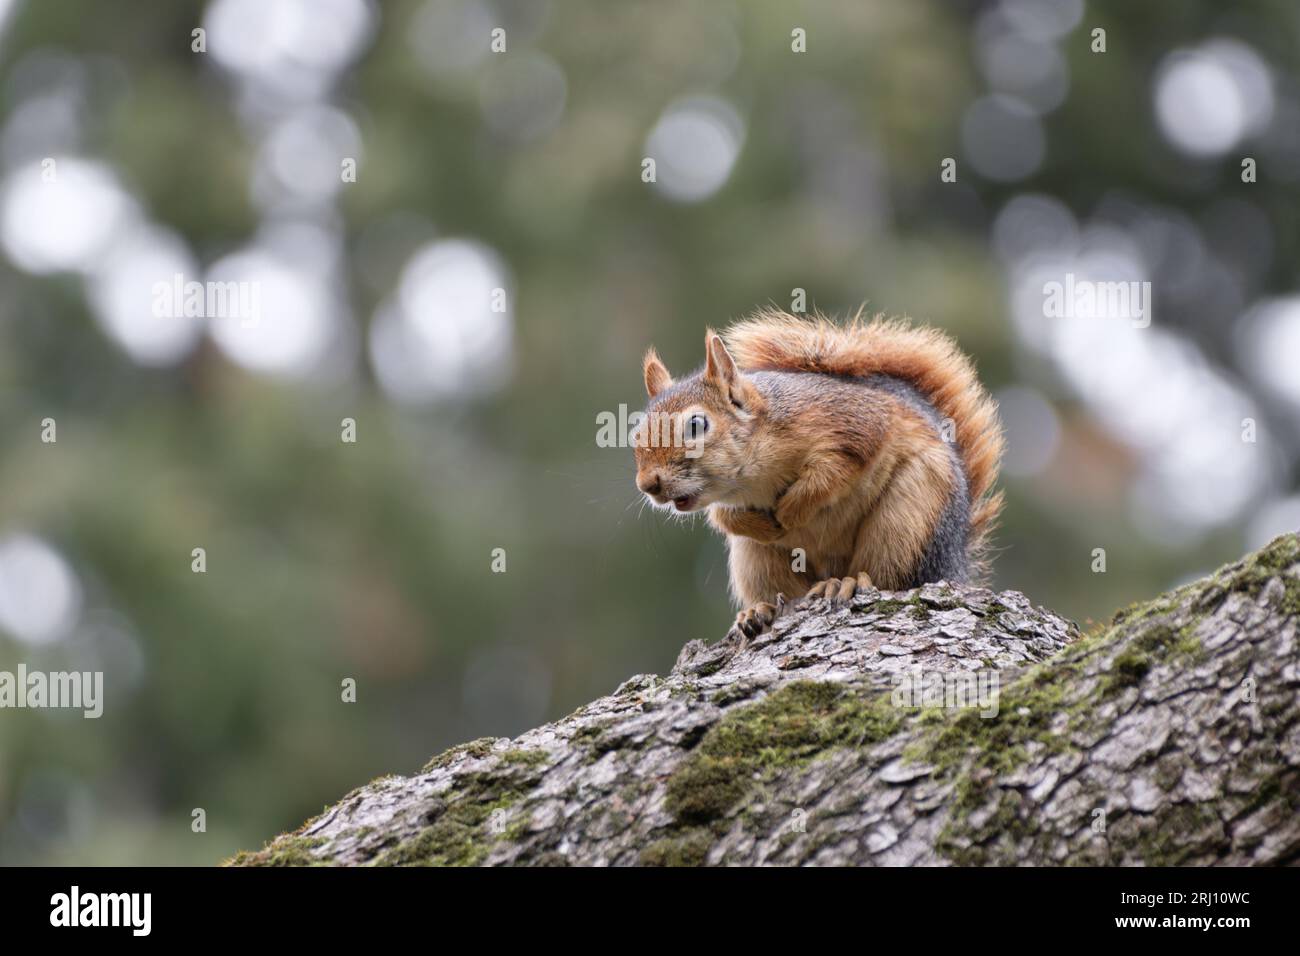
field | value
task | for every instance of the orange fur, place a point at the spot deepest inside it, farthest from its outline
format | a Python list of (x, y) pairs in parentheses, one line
[(927, 358)]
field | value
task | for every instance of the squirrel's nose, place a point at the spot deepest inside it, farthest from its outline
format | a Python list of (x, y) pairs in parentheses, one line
[(650, 484)]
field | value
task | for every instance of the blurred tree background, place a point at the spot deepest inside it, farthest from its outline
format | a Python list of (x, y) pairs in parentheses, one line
[(128, 156)]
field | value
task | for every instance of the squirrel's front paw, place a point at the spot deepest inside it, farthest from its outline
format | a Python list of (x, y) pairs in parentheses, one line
[(754, 523), (753, 621), (839, 590)]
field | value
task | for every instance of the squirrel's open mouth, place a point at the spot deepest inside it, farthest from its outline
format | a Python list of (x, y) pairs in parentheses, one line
[(685, 502)]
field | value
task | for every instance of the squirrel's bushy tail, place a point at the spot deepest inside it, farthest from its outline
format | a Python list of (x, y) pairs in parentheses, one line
[(925, 357)]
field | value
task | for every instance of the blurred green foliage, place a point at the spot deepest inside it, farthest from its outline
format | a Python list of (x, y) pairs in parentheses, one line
[(371, 561)]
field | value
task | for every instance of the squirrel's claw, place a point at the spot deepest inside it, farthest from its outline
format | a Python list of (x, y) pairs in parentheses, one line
[(823, 589), (839, 591), (753, 621)]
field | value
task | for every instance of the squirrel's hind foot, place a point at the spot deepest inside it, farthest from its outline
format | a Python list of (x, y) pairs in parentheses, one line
[(839, 591)]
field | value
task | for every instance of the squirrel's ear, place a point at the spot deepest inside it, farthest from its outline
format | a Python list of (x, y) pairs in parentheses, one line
[(655, 372), (719, 367)]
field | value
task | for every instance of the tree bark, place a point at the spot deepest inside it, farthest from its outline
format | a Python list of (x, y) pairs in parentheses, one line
[(942, 725)]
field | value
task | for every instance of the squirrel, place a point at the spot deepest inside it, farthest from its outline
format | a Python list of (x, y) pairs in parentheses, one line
[(869, 445)]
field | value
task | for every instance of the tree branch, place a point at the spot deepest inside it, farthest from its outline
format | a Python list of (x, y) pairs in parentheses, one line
[(942, 725)]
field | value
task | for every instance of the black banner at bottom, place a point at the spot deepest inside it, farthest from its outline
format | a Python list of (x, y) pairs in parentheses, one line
[(338, 907)]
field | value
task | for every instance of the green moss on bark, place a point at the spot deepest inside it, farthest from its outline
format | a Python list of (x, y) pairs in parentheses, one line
[(460, 831), (290, 850), (783, 731), (687, 849), (527, 758), (475, 748), (1159, 642), (1255, 571)]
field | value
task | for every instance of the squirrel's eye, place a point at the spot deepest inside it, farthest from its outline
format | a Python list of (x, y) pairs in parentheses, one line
[(696, 426)]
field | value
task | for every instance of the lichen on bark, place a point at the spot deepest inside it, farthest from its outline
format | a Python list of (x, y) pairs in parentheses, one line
[(1169, 736)]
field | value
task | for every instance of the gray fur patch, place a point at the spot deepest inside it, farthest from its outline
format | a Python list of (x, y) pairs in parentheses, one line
[(945, 558)]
